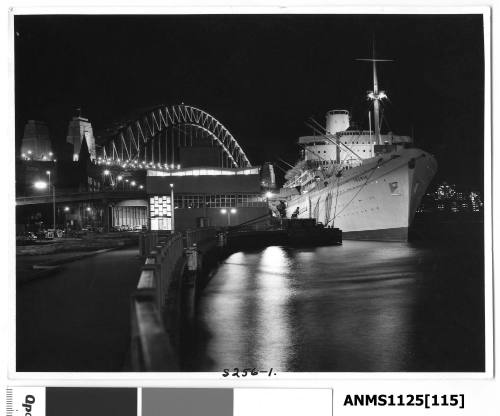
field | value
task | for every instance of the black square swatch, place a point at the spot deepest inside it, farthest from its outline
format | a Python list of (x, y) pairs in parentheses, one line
[(84, 401)]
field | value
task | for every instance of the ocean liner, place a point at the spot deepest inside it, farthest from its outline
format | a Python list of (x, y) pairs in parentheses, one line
[(366, 183)]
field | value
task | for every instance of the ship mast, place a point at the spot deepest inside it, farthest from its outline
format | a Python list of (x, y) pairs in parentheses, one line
[(376, 104), (376, 96)]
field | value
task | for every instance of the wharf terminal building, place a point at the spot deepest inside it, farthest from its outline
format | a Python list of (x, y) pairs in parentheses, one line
[(89, 185), (209, 195)]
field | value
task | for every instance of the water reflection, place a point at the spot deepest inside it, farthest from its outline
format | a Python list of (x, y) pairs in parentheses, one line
[(273, 337), (363, 306), (228, 309)]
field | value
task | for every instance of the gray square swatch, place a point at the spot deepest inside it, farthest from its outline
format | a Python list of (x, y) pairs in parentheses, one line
[(187, 402)]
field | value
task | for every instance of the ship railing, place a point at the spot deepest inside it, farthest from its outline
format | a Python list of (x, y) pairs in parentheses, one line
[(355, 133)]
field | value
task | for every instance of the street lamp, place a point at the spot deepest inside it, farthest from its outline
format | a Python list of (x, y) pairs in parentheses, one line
[(43, 185), (119, 178), (224, 211), (105, 173), (48, 173), (40, 185), (172, 205)]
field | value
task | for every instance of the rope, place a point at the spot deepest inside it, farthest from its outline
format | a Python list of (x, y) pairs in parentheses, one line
[(362, 186), (336, 201), (358, 191)]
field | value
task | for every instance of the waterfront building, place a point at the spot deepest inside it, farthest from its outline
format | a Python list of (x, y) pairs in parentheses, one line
[(207, 196), (268, 178), (36, 144), (80, 129)]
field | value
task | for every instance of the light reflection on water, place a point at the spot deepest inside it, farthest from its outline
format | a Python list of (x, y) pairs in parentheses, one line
[(354, 307), (273, 327)]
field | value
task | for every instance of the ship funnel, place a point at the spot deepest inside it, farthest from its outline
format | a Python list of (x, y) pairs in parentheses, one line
[(337, 120)]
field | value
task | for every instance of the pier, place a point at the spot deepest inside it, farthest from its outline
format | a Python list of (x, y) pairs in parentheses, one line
[(173, 271), (283, 231), (177, 267)]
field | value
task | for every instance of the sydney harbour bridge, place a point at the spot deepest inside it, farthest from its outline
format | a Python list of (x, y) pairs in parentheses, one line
[(154, 139)]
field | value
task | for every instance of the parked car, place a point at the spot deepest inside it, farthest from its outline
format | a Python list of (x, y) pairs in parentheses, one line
[(27, 236), (57, 233)]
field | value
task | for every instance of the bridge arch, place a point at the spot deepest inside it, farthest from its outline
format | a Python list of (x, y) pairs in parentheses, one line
[(156, 137)]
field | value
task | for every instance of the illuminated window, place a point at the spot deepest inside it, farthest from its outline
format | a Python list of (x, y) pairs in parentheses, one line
[(218, 200), (160, 212)]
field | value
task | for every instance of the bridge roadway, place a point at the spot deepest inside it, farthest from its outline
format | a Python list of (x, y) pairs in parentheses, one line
[(79, 318), (80, 197)]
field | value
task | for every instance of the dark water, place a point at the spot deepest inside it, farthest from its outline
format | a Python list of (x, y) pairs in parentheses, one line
[(363, 306)]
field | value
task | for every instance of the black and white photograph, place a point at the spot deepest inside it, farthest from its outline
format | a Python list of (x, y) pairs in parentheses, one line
[(251, 193)]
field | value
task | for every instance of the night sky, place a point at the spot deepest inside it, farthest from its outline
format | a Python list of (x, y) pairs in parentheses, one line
[(262, 76)]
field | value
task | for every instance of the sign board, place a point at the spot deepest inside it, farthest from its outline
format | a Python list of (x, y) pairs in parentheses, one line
[(160, 212)]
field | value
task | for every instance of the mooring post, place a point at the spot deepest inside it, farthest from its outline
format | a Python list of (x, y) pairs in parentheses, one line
[(192, 260), (192, 264), (221, 239)]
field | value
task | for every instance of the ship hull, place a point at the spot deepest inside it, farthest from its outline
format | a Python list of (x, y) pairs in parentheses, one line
[(374, 201)]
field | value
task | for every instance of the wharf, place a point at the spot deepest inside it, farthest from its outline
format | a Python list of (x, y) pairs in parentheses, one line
[(289, 232)]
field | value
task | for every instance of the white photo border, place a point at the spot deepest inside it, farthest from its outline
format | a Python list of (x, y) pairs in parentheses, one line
[(215, 379)]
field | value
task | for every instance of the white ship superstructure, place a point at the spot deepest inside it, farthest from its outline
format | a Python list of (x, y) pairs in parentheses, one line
[(366, 183)]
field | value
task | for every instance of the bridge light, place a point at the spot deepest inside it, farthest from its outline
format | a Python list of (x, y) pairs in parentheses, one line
[(120, 177), (126, 180), (132, 183), (40, 185), (106, 172)]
